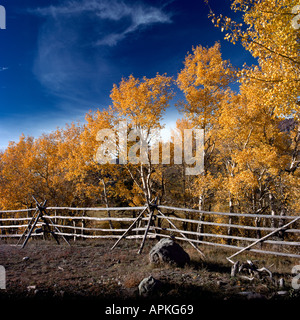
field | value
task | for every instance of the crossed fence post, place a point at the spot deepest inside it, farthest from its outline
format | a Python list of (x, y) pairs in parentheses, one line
[(39, 213)]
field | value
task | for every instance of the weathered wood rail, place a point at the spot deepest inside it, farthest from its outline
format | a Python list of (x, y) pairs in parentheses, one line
[(211, 229)]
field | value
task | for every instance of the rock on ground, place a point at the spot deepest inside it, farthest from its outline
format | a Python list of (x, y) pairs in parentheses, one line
[(168, 251), (148, 286)]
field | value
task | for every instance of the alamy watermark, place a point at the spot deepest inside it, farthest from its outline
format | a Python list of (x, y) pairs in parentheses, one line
[(135, 146), (296, 19), (2, 278), (296, 279), (2, 17)]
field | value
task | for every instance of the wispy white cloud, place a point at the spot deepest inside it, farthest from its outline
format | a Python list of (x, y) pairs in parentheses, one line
[(140, 15), (74, 40), (103, 8), (3, 68)]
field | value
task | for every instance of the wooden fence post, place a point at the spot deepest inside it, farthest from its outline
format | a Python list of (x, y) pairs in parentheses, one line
[(82, 225), (74, 225)]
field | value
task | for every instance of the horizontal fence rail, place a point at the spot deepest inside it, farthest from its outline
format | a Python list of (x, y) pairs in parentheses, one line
[(220, 229)]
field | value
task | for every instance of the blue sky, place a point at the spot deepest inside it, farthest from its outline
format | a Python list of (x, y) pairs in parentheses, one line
[(60, 59)]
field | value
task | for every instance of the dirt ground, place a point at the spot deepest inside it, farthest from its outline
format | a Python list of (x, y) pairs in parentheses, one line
[(90, 270)]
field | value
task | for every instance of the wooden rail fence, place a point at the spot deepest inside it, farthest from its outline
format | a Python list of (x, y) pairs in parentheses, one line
[(238, 231)]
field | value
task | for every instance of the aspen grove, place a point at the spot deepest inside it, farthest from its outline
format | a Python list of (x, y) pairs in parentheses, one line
[(252, 135)]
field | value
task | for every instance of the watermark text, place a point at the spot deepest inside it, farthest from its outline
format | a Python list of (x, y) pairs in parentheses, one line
[(138, 146), (2, 17), (160, 309), (296, 279), (296, 19), (2, 278)]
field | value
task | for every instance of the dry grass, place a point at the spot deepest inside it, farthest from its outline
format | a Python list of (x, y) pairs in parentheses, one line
[(90, 269)]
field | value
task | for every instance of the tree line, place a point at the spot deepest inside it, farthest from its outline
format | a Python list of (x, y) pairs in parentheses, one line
[(251, 140)]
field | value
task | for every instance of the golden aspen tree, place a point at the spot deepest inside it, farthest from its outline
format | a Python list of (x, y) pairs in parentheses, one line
[(48, 165), (255, 152), (179, 186), (17, 178), (80, 147), (269, 32), (142, 103), (68, 157), (267, 165), (204, 80)]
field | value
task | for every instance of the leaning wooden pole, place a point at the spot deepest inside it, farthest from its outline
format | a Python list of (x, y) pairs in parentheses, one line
[(31, 230), (33, 225), (29, 225), (58, 231), (129, 229), (182, 234), (48, 226), (152, 208), (262, 239)]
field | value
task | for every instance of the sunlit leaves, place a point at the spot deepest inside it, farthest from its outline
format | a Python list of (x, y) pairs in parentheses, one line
[(204, 80), (142, 102), (268, 34)]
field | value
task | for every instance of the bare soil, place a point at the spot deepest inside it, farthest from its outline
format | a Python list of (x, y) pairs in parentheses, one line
[(90, 270)]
